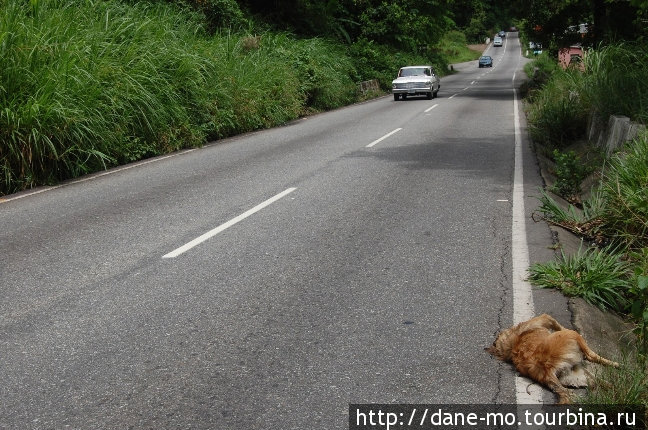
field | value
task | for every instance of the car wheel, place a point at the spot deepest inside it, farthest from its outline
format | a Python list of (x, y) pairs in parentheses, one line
[(430, 95), (396, 97)]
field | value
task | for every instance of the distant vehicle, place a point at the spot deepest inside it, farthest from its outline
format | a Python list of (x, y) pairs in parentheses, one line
[(416, 80), (497, 41), (485, 61), (502, 33)]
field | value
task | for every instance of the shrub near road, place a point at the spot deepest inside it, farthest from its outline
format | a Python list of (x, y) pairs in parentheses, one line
[(613, 272), (85, 86), (89, 85)]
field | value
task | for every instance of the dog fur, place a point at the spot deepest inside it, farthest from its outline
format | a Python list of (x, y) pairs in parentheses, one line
[(548, 353)]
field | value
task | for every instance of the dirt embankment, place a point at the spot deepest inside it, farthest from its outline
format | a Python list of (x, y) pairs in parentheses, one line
[(478, 48)]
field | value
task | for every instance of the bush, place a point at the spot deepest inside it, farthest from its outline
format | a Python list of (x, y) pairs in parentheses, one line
[(599, 277), (616, 81), (570, 171), (374, 61), (558, 115), (84, 86), (624, 190)]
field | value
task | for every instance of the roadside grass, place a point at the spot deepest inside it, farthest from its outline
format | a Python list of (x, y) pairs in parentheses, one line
[(616, 80), (558, 114), (626, 385), (454, 47), (86, 86), (598, 276), (90, 85), (611, 268), (624, 191)]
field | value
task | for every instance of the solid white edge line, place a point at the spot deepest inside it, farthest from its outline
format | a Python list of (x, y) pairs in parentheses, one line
[(430, 108), (200, 239), (384, 137), (92, 177), (526, 392)]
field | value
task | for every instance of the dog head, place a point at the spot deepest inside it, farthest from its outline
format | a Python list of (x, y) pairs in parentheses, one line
[(503, 344)]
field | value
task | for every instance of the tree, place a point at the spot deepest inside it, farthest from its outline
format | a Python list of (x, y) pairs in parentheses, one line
[(549, 21)]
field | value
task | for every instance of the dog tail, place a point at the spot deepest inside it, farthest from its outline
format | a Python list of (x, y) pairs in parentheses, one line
[(592, 356)]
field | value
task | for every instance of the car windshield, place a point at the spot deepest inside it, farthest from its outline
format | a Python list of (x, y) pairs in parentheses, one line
[(484, 58), (415, 71)]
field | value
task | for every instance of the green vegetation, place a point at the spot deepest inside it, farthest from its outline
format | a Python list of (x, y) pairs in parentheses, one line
[(453, 45), (85, 86), (91, 85), (611, 269), (598, 276)]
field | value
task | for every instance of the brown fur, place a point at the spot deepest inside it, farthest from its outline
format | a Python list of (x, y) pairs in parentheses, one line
[(548, 353)]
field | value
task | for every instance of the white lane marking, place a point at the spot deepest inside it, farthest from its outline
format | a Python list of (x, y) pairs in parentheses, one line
[(228, 224), (384, 137), (526, 392), (473, 83), (451, 97), (430, 108), (92, 177)]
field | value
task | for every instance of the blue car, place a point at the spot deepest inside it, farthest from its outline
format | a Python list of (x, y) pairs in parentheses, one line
[(485, 61)]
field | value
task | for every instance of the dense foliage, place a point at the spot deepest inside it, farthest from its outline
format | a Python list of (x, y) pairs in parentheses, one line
[(89, 85), (86, 86), (612, 274), (559, 23)]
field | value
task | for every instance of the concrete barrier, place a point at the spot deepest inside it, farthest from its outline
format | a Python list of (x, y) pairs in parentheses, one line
[(619, 130), (371, 85)]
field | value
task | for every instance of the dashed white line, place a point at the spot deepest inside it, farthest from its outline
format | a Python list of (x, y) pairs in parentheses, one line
[(200, 239), (430, 108), (384, 137)]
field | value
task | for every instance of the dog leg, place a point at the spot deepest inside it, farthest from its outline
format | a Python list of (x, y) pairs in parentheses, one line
[(551, 323), (564, 395)]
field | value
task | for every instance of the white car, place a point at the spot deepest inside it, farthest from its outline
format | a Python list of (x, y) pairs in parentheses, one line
[(497, 41), (416, 80)]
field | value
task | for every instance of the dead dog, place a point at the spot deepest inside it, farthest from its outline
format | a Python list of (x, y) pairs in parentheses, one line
[(548, 353)]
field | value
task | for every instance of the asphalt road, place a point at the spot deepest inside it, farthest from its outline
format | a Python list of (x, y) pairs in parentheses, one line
[(339, 264)]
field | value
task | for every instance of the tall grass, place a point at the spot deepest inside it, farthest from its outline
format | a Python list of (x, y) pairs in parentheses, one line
[(559, 113), (624, 191), (85, 85), (453, 46), (89, 85), (616, 80)]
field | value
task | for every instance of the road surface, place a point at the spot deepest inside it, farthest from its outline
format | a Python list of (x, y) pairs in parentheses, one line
[(269, 280)]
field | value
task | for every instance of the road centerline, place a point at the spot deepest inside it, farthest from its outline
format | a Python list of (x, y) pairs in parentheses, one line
[(430, 108), (384, 137), (211, 233)]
